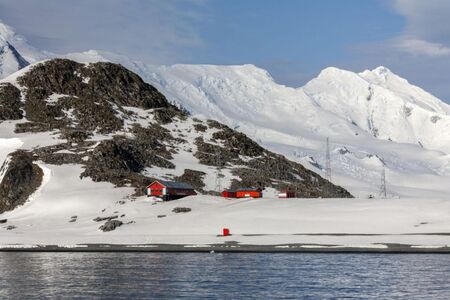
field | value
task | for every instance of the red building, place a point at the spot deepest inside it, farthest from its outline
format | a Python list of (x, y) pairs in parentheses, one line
[(169, 190), (243, 193), (229, 194), (286, 194)]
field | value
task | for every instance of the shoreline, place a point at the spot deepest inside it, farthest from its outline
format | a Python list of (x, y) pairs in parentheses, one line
[(230, 248)]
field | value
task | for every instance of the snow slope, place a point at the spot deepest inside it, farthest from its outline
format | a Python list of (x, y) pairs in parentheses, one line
[(268, 221)]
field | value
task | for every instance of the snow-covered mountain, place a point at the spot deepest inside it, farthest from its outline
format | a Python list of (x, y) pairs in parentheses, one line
[(15, 53), (373, 118), (78, 142)]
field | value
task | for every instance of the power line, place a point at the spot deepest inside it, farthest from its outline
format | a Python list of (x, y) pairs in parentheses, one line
[(218, 185), (383, 192), (328, 161)]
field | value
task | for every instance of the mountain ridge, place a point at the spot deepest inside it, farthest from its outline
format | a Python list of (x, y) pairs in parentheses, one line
[(121, 130), (374, 113)]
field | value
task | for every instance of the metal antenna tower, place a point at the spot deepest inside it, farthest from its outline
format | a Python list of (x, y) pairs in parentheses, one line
[(328, 162), (219, 175), (383, 192)]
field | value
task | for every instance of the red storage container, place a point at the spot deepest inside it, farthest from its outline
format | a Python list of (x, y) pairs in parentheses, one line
[(226, 232)]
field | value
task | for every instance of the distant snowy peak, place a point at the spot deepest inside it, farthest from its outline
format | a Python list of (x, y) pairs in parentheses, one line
[(384, 105), (337, 103), (215, 76), (15, 53), (343, 82), (383, 77), (10, 60), (6, 32)]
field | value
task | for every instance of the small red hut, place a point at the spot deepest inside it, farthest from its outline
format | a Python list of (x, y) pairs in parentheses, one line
[(229, 194), (169, 190), (286, 194), (249, 193), (243, 193)]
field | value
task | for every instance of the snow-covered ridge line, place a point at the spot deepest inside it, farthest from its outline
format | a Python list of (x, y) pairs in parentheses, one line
[(372, 113)]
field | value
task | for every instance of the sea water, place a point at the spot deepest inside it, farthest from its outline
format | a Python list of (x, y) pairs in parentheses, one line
[(223, 276)]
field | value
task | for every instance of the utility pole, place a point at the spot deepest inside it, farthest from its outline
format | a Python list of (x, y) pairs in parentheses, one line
[(328, 161), (383, 192), (219, 175)]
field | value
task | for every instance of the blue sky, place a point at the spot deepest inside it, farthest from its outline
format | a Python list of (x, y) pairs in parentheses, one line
[(292, 39)]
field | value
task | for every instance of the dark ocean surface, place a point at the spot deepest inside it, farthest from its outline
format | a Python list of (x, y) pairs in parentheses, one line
[(223, 276)]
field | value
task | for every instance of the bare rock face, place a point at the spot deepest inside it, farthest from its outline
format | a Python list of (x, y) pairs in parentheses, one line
[(110, 225), (264, 168), (22, 178), (121, 160), (93, 96), (194, 178), (10, 105), (178, 210)]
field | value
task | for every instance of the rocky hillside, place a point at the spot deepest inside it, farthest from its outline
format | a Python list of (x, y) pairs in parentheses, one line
[(20, 178), (122, 130)]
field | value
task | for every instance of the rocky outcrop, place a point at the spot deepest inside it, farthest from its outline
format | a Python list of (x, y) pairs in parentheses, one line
[(99, 219), (121, 160), (10, 105), (264, 168), (22, 177), (194, 178), (110, 225), (62, 93), (238, 142), (178, 210)]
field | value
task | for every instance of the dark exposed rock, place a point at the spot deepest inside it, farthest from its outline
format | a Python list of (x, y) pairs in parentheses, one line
[(99, 219), (435, 119), (104, 81), (10, 105), (161, 216), (110, 225), (95, 94), (181, 210), (32, 127), (167, 115), (200, 127), (264, 169), (73, 154), (215, 124), (11, 227), (3, 221), (214, 155), (21, 179), (194, 178), (238, 142), (73, 135), (154, 136), (121, 160)]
